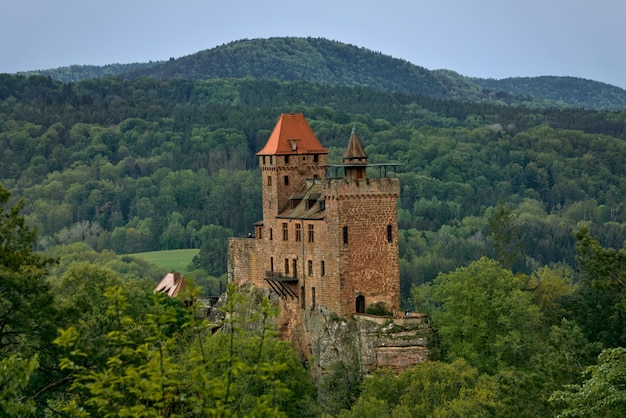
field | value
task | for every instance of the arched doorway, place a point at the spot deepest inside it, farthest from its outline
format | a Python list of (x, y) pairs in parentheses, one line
[(360, 304)]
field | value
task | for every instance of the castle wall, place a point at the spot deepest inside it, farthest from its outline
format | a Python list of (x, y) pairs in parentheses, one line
[(242, 261), (368, 265), (369, 262)]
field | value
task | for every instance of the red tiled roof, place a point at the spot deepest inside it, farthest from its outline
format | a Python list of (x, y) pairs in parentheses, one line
[(292, 130)]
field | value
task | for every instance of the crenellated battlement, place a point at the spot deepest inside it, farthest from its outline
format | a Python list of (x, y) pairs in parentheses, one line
[(362, 188)]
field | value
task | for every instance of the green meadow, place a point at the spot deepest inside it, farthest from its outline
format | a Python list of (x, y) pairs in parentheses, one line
[(177, 260)]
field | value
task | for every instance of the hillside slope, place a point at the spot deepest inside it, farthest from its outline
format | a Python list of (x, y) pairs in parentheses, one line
[(332, 63), (313, 60), (570, 91)]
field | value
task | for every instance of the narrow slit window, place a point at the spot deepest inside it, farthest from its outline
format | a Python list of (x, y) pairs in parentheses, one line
[(345, 234)]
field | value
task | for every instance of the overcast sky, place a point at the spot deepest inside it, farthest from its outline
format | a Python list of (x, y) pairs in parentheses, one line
[(479, 38)]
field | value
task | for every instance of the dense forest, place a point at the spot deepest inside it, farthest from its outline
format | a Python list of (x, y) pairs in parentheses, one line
[(142, 165), (513, 213)]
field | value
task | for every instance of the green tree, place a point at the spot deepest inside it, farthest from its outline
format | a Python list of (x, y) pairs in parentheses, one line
[(484, 315), (26, 310), (15, 374), (551, 289), (213, 255), (432, 389), (25, 301), (602, 394), (155, 367), (600, 303), (504, 233)]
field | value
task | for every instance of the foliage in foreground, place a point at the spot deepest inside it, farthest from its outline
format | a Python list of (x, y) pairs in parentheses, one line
[(434, 389), (154, 370), (603, 393)]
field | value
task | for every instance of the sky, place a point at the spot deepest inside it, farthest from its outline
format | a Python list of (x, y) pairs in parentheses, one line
[(476, 38)]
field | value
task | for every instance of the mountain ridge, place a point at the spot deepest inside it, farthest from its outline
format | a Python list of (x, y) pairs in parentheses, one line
[(322, 61)]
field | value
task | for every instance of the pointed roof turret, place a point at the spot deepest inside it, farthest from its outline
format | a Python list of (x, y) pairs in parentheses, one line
[(354, 159), (292, 135), (354, 153)]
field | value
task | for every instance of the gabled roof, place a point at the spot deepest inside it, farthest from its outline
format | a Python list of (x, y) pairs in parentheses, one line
[(306, 203), (292, 135), (354, 150), (171, 284)]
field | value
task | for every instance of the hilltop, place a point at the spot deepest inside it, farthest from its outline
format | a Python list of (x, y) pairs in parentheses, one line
[(332, 63)]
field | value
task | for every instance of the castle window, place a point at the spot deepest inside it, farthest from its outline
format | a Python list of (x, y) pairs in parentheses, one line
[(310, 267), (295, 267), (323, 268), (270, 159), (312, 298), (272, 264), (286, 180), (264, 160), (311, 233), (315, 158), (302, 298), (345, 234), (322, 205), (286, 159), (269, 180), (271, 234), (298, 232), (389, 233), (286, 267), (285, 231), (259, 232), (360, 304)]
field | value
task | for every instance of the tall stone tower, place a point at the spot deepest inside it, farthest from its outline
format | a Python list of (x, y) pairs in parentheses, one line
[(328, 240)]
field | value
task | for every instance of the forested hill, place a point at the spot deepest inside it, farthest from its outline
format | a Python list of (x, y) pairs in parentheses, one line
[(569, 91), (315, 60), (74, 73), (321, 61)]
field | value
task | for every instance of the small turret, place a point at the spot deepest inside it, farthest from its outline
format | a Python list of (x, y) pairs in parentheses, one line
[(354, 159)]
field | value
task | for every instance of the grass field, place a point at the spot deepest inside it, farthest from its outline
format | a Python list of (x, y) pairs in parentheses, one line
[(177, 260)]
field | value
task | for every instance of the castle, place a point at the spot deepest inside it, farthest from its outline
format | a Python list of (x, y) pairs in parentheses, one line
[(328, 240)]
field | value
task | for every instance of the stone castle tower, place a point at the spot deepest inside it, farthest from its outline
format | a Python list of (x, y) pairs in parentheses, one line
[(328, 240)]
